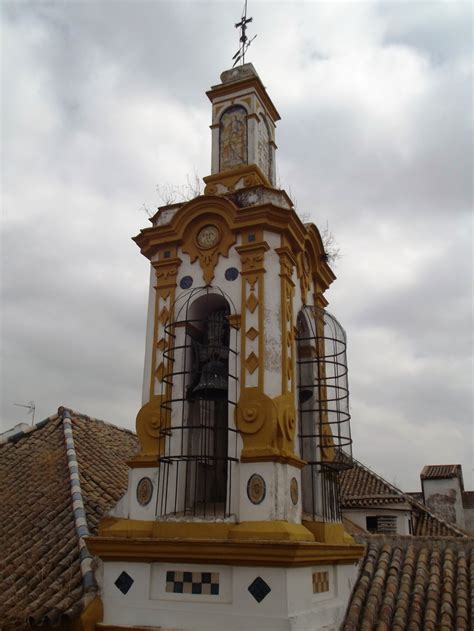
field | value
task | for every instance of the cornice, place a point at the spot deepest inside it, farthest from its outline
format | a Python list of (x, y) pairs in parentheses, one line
[(231, 88), (267, 216), (226, 552)]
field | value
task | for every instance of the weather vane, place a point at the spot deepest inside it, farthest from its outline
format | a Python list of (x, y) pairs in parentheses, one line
[(244, 40)]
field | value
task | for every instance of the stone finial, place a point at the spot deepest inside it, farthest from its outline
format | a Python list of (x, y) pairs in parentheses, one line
[(246, 71)]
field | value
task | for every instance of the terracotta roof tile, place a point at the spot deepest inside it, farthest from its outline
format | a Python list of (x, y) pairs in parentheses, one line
[(362, 487), (413, 584), (440, 471), (40, 565)]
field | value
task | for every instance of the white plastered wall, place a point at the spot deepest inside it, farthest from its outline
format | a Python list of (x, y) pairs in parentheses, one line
[(291, 604)]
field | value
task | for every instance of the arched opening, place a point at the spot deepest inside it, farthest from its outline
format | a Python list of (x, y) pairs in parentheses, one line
[(201, 442), (323, 411)]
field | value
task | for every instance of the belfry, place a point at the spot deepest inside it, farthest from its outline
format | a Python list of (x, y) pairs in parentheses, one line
[(231, 518)]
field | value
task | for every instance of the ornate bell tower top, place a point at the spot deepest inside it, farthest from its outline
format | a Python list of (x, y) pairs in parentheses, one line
[(243, 132)]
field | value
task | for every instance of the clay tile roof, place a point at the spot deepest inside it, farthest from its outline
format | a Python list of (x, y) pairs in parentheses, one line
[(413, 584), (362, 487), (440, 471), (45, 568)]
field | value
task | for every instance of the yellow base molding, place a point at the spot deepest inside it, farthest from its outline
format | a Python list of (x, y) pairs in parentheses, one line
[(269, 531), (271, 455), (226, 552), (134, 528), (120, 627), (143, 461), (321, 532), (327, 532)]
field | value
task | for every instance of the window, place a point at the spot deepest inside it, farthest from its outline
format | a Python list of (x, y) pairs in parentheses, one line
[(382, 523)]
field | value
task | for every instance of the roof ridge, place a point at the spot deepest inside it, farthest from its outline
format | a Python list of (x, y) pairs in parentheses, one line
[(379, 477), (425, 509), (80, 519), (6, 437), (74, 413)]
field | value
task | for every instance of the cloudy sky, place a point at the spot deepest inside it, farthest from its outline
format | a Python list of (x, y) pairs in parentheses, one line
[(103, 101)]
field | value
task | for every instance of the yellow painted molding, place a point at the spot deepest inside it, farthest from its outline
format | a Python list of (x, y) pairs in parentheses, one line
[(267, 427), (327, 532), (270, 531), (92, 615), (268, 455), (134, 528), (227, 552), (141, 461), (299, 237), (208, 256), (152, 419), (322, 532), (120, 627)]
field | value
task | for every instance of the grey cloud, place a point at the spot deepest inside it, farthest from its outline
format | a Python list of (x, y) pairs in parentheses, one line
[(105, 100)]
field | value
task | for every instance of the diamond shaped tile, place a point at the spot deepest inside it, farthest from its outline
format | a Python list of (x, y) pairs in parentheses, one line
[(160, 371), (251, 362), (164, 315), (259, 589), (252, 333), (252, 302), (162, 344), (124, 582)]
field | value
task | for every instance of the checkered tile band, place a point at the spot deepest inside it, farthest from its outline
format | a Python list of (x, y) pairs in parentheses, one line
[(204, 583), (320, 582)]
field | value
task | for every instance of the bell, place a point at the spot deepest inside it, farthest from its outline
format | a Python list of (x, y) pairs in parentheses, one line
[(212, 384)]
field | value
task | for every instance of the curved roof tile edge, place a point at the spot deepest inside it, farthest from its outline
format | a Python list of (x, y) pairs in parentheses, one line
[(82, 529)]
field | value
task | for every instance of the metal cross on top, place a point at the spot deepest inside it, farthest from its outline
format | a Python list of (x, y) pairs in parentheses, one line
[(244, 40)]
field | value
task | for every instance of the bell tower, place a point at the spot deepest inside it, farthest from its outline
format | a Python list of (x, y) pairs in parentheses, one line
[(231, 518)]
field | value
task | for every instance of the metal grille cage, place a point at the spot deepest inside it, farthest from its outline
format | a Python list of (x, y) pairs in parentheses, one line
[(199, 390), (323, 410)]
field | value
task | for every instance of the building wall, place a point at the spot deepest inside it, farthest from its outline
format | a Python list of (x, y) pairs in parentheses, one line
[(444, 498), (358, 516)]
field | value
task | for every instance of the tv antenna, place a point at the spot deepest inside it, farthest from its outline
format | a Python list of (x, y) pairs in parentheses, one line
[(244, 40), (31, 407)]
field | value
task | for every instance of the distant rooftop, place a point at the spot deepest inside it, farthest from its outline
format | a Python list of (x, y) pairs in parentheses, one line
[(440, 471)]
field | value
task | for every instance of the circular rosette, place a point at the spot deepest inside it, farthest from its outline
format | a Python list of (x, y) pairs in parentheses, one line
[(151, 421), (253, 409), (256, 489), (144, 491), (287, 416)]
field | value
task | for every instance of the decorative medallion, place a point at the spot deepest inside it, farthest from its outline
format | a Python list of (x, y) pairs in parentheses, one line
[(186, 282), (144, 491), (231, 273), (256, 489), (208, 236), (294, 491)]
